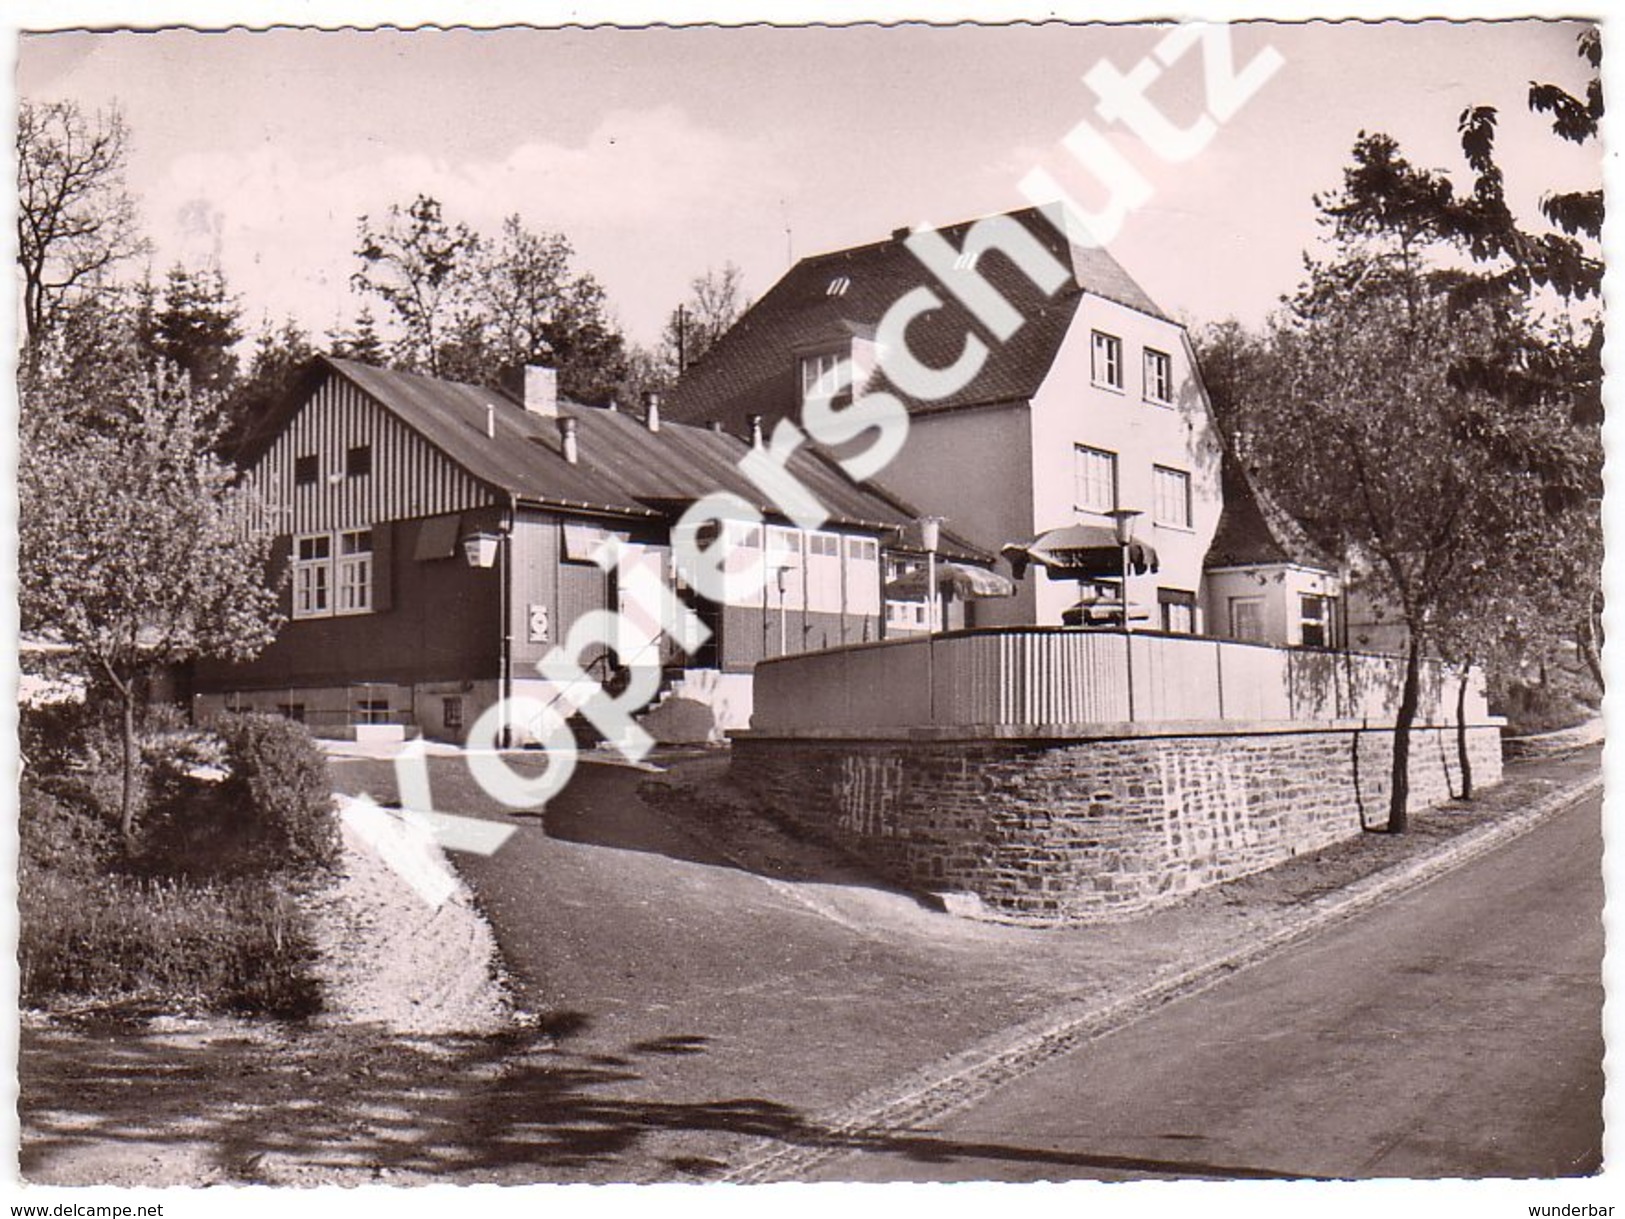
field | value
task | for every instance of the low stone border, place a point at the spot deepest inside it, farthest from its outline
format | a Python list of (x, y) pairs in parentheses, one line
[(966, 1077)]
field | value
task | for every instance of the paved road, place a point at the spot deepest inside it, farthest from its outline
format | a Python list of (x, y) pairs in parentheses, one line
[(1453, 1032)]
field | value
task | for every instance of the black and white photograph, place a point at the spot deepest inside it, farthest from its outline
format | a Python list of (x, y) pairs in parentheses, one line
[(739, 599)]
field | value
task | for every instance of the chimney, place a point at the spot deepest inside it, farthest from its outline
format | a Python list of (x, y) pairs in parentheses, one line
[(614, 406), (535, 386), (715, 425), (651, 410), (755, 423), (567, 433), (490, 421)]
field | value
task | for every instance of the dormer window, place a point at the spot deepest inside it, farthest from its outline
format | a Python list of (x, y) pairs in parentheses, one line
[(819, 373)]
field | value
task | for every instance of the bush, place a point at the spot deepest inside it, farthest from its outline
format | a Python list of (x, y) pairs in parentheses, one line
[(58, 835), (238, 946), (278, 780)]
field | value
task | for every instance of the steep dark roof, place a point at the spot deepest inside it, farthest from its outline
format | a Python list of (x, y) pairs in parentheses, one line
[(623, 467), (1256, 531), (753, 369)]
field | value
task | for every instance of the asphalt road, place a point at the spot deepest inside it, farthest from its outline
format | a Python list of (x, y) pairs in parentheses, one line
[(1455, 1031)]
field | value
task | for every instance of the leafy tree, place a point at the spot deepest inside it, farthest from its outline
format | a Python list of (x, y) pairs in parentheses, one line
[(75, 220), (420, 266), (1356, 421), (716, 299), (135, 547)]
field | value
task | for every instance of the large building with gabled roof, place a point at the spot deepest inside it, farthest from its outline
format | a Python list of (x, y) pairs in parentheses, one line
[(1090, 403), (438, 540)]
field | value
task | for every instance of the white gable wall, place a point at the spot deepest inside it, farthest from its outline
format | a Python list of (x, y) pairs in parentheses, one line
[(1069, 410)]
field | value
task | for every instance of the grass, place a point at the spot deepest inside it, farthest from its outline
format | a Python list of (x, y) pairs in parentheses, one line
[(174, 945)]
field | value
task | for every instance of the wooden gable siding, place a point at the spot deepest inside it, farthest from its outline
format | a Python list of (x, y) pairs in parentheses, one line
[(410, 478)]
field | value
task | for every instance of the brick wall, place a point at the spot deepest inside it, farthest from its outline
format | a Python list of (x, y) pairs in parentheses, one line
[(1076, 830)]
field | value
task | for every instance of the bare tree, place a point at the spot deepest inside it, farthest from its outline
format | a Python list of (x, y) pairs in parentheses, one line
[(75, 219)]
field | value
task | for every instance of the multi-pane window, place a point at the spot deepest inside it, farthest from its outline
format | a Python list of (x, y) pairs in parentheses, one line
[(451, 714), (862, 576), (786, 569), (355, 571), (305, 470), (820, 374), (1171, 497), (372, 711), (1315, 621), (824, 572), (1094, 476), (1159, 377), (313, 576), (1106, 359), (332, 574)]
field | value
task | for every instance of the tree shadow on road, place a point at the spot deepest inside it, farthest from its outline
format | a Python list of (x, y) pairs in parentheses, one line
[(261, 1104)]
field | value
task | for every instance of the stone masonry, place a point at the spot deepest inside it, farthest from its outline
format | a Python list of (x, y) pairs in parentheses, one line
[(1063, 828)]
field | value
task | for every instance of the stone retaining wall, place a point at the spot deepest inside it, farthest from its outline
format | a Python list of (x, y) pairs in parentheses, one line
[(1075, 828)]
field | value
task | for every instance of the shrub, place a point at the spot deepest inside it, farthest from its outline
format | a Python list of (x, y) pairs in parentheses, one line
[(58, 835), (278, 781)]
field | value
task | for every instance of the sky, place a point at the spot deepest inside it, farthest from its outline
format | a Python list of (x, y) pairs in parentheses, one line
[(661, 153)]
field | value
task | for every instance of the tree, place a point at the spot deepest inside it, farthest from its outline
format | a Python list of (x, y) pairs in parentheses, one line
[(281, 355), (361, 342), (135, 546), (197, 326), (420, 266), (75, 219), (716, 300), (1357, 422)]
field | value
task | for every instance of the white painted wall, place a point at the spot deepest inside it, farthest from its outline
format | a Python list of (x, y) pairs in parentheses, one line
[(1070, 409), (1277, 588), (973, 468)]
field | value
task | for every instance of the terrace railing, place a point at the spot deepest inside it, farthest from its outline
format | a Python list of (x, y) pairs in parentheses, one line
[(1027, 676)]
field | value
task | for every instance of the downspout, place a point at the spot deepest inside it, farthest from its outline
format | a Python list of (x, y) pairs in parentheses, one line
[(505, 562)]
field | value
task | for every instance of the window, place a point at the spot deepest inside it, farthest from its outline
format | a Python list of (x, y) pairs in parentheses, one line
[(1094, 474), (1178, 610), (1106, 360), (355, 572), (292, 711), (372, 711), (305, 470), (1247, 619), (1171, 499), (313, 576), (358, 461), (824, 374), (862, 576), (332, 574), (786, 569), (824, 572), (1316, 623), (1159, 377), (451, 713)]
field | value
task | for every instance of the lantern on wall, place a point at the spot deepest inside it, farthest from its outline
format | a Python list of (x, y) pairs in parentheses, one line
[(480, 549)]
